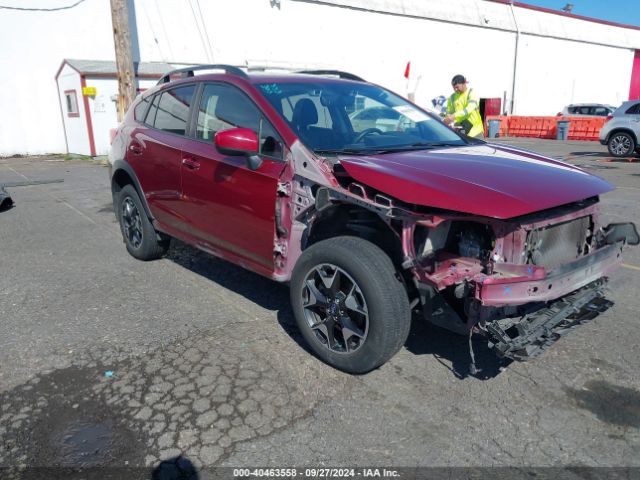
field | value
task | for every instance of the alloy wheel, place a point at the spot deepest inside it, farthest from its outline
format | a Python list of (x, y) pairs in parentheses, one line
[(131, 223), (335, 308), (620, 144)]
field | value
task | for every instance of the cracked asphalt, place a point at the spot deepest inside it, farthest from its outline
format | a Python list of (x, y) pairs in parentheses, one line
[(108, 361)]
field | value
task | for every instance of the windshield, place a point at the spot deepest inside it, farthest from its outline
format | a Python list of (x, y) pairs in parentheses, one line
[(342, 117)]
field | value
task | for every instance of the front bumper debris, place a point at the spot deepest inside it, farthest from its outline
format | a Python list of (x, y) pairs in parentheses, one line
[(527, 337)]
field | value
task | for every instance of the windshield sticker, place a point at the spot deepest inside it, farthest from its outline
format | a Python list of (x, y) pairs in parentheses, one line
[(412, 114), (271, 89)]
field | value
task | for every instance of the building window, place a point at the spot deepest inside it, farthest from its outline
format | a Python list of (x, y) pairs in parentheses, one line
[(71, 100)]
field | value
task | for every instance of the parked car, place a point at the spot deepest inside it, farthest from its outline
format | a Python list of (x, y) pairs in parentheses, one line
[(587, 109), (621, 132), (366, 225)]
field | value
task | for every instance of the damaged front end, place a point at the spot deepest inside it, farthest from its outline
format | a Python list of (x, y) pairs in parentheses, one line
[(523, 282)]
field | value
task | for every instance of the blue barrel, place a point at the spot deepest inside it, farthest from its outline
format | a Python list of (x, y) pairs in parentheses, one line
[(494, 128), (563, 129)]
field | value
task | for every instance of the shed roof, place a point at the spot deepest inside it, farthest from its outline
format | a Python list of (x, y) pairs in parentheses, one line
[(104, 67)]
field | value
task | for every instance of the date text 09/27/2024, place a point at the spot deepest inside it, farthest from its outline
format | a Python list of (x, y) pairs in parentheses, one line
[(315, 472)]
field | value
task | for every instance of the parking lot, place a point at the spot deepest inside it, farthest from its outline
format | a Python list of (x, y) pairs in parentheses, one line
[(106, 360)]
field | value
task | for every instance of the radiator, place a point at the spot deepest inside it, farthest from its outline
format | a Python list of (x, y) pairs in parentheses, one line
[(555, 245)]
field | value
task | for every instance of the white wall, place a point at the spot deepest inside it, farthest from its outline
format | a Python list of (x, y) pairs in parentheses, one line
[(33, 45), (76, 127), (103, 109), (440, 38), (573, 73)]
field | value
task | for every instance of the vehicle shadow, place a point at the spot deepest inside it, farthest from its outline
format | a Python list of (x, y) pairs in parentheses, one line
[(452, 350), (178, 468), (447, 348), (262, 291)]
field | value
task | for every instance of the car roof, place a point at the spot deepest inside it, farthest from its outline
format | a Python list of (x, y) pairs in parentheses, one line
[(590, 105)]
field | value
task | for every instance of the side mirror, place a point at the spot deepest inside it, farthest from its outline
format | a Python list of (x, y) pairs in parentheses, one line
[(237, 142)]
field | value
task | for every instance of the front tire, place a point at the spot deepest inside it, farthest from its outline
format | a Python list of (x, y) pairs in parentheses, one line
[(350, 304), (138, 233), (621, 144)]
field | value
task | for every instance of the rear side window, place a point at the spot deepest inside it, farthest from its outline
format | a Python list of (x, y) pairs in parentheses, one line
[(634, 109), (141, 109), (173, 110), (151, 115), (223, 107)]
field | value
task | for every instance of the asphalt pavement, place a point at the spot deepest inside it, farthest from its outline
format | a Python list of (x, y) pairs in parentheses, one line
[(109, 361)]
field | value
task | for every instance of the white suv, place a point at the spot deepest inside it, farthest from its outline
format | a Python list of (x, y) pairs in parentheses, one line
[(587, 110), (621, 133)]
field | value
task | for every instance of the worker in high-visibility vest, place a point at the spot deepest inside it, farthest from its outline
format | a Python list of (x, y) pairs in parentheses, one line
[(463, 108)]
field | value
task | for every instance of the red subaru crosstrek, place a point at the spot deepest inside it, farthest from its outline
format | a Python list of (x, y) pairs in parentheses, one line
[(365, 222)]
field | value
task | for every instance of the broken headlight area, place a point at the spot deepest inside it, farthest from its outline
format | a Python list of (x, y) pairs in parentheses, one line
[(458, 238)]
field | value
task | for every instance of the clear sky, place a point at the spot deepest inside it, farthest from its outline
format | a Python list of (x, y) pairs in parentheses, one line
[(621, 11)]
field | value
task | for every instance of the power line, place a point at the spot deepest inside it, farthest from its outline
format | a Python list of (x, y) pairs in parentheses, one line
[(166, 37), (42, 9), (204, 45), (204, 27), (153, 33)]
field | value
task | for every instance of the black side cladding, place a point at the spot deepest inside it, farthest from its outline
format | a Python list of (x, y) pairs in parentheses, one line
[(529, 336)]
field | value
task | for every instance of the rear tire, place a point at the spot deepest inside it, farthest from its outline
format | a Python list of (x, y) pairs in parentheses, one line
[(139, 236), (621, 144), (350, 304)]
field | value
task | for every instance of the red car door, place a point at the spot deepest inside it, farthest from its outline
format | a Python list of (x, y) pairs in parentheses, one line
[(155, 152), (225, 204)]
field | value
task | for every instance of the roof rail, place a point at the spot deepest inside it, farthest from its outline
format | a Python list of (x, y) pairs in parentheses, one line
[(188, 71), (264, 68), (337, 73)]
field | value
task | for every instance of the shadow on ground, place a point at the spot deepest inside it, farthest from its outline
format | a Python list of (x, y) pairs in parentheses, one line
[(452, 350), (179, 468), (612, 404)]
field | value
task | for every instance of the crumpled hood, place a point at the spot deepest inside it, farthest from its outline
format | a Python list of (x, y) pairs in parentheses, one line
[(487, 180)]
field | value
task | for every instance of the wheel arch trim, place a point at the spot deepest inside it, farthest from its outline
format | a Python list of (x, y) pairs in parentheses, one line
[(623, 130), (123, 166)]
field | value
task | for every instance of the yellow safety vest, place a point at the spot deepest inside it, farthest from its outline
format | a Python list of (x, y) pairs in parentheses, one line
[(465, 108)]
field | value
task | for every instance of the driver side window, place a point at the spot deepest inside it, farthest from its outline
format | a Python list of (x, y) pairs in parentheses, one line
[(223, 107)]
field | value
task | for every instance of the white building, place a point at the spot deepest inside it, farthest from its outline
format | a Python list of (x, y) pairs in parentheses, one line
[(535, 60), (87, 90)]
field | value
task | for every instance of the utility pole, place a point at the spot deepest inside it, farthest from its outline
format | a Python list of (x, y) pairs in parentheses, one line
[(127, 82)]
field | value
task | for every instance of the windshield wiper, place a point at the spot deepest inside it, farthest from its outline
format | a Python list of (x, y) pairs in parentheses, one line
[(416, 146), (389, 148), (351, 151), (437, 144)]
